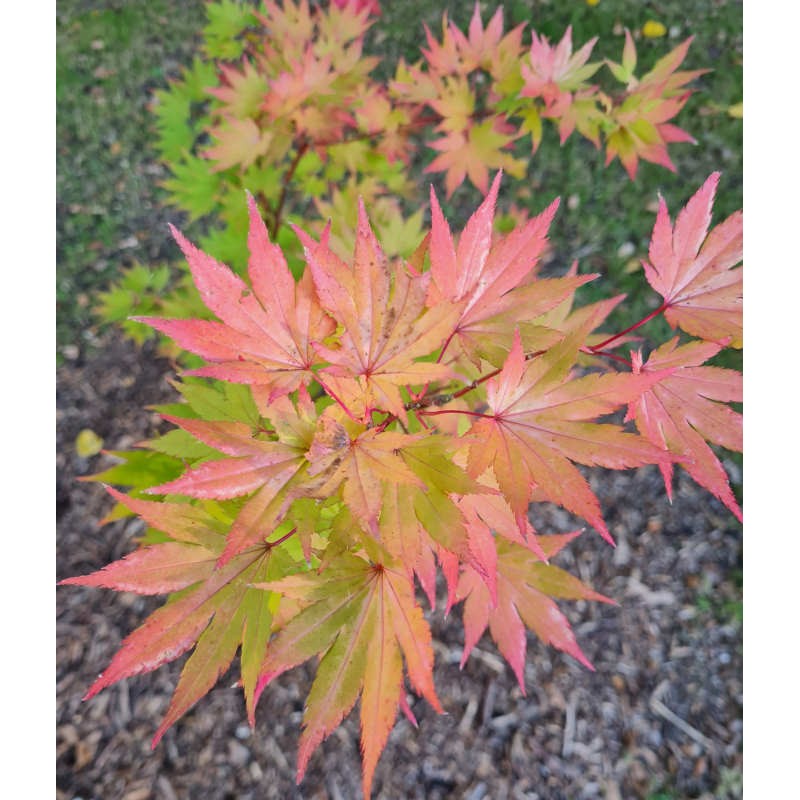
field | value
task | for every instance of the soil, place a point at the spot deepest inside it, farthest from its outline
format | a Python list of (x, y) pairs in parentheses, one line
[(660, 718)]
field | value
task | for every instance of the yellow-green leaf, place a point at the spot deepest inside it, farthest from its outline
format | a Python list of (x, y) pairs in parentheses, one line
[(88, 443)]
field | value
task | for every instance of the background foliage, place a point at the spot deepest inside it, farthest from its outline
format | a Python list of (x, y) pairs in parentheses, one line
[(113, 56)]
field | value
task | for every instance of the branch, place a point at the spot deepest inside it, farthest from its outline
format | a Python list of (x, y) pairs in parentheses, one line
[(442, 399)]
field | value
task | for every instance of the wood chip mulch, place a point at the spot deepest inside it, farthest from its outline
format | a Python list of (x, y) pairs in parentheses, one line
[(660, 718)]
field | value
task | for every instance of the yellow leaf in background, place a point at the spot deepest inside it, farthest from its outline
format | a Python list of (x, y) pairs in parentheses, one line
[(652, 29), (88, 443), (736, 110), (592, 2), (631, 266)]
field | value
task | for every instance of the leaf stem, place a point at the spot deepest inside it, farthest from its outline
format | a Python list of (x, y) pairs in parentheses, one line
[(283, 538), (423, 402), (417, 398), (608, 354), (445, 345), (426, 413), (663, 307), (335, 397)]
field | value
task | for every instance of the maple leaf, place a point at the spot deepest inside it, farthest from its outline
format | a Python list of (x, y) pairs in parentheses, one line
[(377, 115), (568, 319), (239, 144), (484, 48), (445, 57), (413, 85), (487, 47), (216, 611), (289, 23), (694, 270), (420, 518), (475, 150), (303, 79), (487, 277), (270, 469), (254, 462), (482, 43), (265, 332), (346, 21), (536, 426), (584, 114), (242, 92), (455, 103), (404, 537), (363, 620), (624, 71), (360, 460), (193, 187), (372, 7), (525, 588), (553, 72), (398, 235), (664, 78), (679, 413), (639, 127), (491, 513), (386, 326)]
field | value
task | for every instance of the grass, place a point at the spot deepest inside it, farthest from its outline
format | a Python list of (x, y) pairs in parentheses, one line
[(113, 55), (730, 786), (725, 604), (110, 58)]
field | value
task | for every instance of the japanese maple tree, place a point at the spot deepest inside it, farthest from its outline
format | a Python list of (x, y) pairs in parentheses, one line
[(380, 420)]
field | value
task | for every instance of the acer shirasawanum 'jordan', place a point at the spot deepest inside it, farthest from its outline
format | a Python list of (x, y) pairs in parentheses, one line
[(380, 420)]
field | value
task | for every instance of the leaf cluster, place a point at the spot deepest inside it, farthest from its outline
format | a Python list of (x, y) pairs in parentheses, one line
[(381, 420), (284, 103)]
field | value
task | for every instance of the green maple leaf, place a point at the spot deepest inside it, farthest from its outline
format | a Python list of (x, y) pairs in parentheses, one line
[(363, 620), (213, 610)]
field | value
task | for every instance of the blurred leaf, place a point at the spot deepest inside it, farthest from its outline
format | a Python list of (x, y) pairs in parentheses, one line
[(736, 111), (88, 443)]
